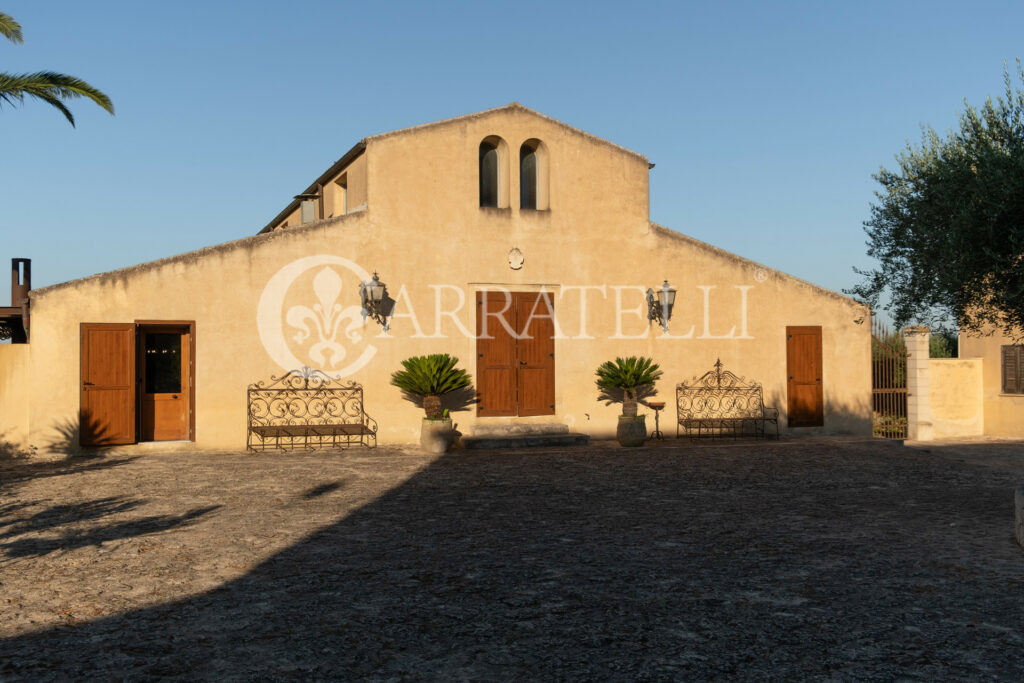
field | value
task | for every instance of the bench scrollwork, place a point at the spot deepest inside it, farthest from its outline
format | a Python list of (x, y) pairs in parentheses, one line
[(307, 409), (720, 403)]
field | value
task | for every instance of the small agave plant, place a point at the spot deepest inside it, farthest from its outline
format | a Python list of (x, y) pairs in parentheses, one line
[(431, 377), (627, 375)]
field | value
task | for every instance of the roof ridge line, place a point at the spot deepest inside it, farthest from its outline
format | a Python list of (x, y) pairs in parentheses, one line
[(736, 257), (511, 106)]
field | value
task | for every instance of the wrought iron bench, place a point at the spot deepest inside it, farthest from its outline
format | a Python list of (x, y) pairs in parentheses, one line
[(719, 403), (307, 409)]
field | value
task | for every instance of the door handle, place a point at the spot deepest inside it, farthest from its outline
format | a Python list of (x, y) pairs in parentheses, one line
[(174, 396), (87, 384), (522, 362)]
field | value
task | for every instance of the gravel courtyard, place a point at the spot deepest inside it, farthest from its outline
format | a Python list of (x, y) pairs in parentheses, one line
[(812, 558)]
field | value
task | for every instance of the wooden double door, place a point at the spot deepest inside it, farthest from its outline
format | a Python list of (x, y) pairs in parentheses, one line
[(515, 344), (136, 383)]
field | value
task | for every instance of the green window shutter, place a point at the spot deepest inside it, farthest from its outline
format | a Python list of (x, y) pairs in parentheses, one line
[(1012, 383)]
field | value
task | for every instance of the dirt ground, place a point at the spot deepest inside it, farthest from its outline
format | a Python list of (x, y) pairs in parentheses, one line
[(811, 558)]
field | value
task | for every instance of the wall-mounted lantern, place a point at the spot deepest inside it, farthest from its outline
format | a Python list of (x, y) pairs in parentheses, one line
[(660, 303), (373, 295)]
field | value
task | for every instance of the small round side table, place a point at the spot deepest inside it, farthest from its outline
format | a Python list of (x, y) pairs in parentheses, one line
[(657, 407)]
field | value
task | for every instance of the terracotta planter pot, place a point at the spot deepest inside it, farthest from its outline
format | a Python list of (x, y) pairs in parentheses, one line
[(632, 431), (436, 436)]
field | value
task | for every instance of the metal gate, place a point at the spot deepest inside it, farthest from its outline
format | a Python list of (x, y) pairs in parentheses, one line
[(888, 382)]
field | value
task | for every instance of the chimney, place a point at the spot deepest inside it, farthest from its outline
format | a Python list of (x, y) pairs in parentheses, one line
[(21, 283), (21, 280)]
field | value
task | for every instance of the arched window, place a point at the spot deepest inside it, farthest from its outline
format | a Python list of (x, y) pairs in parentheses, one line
[(488, 174), (493, 172), (533, 175), (527, 177)]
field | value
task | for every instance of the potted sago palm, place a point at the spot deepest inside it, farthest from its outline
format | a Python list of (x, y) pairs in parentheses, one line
[(427, 379), (621, 380)]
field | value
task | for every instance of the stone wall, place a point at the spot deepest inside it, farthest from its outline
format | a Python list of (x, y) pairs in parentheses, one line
[(956, 397), (945, 396)]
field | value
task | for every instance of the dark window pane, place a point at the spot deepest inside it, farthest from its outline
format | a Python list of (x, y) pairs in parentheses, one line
[(488, 174), (163, 363), (527, 178)]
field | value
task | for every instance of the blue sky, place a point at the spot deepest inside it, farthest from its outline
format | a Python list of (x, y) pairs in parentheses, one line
[(766, 120)]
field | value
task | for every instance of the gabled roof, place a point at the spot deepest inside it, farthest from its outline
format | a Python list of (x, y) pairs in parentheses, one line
[(360, 146), (512, 106)]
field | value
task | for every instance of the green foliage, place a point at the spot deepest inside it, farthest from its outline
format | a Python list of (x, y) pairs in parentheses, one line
[(433, 375), (53, 88), (627, 375), (889, 425), (888, 358), (10, 29), (947, 228), (943, 344), (887, 345)]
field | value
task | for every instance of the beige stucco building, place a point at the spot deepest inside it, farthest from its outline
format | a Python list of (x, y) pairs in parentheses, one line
[(999, 381), (505, 200)]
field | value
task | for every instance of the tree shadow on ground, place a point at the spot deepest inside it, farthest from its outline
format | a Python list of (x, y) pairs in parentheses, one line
[(62, 516), (669, 564), (323, 489), (17, 472), (19, 465)]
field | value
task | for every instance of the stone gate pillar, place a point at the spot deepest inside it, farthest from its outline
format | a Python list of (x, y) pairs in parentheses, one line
[(919, 403)]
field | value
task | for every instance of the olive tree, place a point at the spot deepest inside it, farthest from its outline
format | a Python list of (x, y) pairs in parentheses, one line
[(947, 228)]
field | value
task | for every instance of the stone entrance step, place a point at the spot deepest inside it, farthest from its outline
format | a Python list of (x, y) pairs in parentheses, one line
[(527, 440), (518, 429)]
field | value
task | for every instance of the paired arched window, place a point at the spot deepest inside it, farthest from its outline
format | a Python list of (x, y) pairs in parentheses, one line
[(493, 174)]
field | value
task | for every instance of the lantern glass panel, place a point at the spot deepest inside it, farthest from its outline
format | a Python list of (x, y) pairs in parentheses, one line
[(668, 296)]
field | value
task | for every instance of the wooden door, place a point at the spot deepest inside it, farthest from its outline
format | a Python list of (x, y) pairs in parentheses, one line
[(515, 369), (164, 381), (107, 399), (535, 353), (495, 354), (804, 388)]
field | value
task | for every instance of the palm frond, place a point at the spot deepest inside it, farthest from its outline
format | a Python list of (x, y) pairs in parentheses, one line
[(52, 88), (627, 374), (10, 29), (433, 375)]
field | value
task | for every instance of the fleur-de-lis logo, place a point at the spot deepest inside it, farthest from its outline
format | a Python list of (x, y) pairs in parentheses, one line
[(326, 317), (329, 327)]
